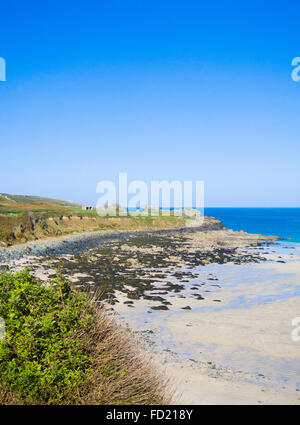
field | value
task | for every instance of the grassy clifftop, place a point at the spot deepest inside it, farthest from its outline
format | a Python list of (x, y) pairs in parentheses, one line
[(26, 218)]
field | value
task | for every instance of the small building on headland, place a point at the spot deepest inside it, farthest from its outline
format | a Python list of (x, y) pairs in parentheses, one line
[(87, 208)]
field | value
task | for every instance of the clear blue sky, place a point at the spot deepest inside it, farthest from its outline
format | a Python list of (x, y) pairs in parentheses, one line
[(184, 90)]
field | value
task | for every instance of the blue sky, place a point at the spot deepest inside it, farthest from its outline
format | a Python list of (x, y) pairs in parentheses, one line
[(185, 90)]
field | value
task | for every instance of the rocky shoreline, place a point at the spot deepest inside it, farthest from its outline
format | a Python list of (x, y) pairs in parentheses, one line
[(128, 266), (80, 242), (197, 298)]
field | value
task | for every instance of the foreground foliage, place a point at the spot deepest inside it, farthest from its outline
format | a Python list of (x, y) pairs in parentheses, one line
[(60, 348)]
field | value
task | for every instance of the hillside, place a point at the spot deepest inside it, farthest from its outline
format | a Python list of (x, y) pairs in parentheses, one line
[(23, 199), (25, 218)]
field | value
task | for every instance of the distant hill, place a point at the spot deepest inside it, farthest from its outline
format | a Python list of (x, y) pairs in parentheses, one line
[(25, 199)]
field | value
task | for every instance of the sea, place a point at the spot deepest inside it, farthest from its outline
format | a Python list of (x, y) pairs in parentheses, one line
[(282, 222)]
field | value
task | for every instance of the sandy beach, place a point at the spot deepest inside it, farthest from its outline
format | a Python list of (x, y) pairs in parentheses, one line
[(214, 306), (240, 351)]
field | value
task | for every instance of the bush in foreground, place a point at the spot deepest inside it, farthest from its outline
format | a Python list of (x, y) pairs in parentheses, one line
[(60, 348)]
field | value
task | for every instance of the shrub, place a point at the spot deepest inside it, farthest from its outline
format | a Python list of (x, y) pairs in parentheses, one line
[(41, 358), (60, 348)]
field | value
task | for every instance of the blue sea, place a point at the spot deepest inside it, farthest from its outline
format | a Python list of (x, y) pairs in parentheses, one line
[(282, 222)]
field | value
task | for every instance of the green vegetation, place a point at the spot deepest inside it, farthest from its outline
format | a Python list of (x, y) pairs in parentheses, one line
[(41, 358), (60, 348), (25, 218)]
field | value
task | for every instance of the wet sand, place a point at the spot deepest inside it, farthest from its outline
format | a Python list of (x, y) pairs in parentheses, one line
[(237, 350)]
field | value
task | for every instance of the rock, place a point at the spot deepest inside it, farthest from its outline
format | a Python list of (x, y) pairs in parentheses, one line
[(160, 307)]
